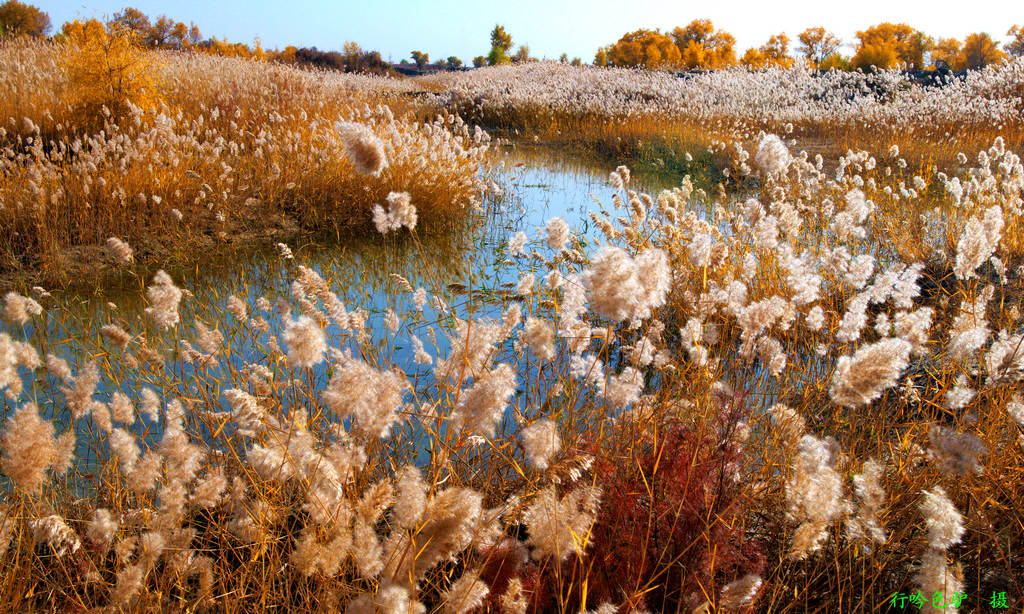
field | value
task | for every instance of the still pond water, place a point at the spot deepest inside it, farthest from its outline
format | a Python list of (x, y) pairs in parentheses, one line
[(468, 269)]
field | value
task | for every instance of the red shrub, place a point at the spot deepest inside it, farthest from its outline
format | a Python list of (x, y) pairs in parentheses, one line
[(669, 534), (670, 531)]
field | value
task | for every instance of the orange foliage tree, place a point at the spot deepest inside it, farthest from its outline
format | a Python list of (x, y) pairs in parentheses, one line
[(946, 53), (171, 34), (980, 50), (107, 68), (17, 19), (647, 48), (888, 45), (776, 51), (816, 44), (226, 48), (131, 19), (754, 59), (164, 32), (773, 53), (701, 46)]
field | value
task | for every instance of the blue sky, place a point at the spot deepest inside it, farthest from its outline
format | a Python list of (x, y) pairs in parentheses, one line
[(549, 27)]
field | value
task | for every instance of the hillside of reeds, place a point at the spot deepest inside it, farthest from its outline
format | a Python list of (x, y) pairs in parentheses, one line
[(656, 118)]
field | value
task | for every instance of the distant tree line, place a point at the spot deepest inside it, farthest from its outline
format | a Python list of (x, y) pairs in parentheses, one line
[(162, 32), (422, 61), (887, 45), (501, 51), (696, 46), (352, 58)]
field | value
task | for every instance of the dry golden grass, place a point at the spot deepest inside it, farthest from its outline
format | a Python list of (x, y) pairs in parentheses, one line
[(179, 153)]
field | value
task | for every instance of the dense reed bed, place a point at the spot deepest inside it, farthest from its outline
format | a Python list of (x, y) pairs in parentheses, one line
[(178, 153), (657, 117), (775, 407), (791, 385)]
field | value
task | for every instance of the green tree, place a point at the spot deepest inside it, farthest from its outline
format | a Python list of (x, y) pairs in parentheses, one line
[(837, 61), (501, 42), (17, 18), (576, 62), (453, 63), (421, 59), (497, 56), (479, 61), (500, 39)]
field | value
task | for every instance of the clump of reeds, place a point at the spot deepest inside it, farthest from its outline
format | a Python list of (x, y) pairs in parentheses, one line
[(172, 151)]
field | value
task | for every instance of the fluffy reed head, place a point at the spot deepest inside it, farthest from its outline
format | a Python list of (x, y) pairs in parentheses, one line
[(363, 147)]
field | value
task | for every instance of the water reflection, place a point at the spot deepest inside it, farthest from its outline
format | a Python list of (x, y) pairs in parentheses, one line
[(465, 270)]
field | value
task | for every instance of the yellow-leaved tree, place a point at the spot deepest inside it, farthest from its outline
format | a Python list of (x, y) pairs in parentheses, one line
[(648, 48), (977, 51), (816, 44), (701, 46), (946, 54), (753, 59), (888, 45), (775, 52), (19, 19), (107, 69), (980, 50)]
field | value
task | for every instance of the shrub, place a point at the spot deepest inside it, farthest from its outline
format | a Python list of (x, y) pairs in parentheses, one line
[(670, 531), (106, 69)]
